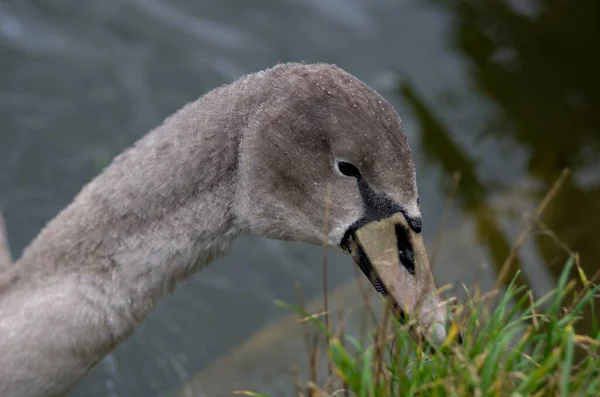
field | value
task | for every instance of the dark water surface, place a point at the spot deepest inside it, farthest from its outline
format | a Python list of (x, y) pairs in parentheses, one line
[(506, 94)]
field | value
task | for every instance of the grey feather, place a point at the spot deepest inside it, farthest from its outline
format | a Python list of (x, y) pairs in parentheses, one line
[(253, 157)]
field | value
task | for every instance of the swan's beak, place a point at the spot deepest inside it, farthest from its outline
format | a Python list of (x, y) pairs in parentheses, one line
[(393, 258)]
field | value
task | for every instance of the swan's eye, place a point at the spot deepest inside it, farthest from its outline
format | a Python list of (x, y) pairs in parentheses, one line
[(347, 169)]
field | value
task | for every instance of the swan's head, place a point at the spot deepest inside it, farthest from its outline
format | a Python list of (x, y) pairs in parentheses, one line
[(325, 159)]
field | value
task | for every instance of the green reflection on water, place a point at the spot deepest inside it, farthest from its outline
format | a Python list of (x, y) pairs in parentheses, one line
[(540, 71)]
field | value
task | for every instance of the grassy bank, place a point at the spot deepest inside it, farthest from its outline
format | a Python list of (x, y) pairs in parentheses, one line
[(513, 346)]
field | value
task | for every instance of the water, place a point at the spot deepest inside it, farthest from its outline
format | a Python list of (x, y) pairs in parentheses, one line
[(507, 95)]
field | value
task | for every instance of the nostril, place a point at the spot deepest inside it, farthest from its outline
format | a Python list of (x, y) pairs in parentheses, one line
[(405, 250)]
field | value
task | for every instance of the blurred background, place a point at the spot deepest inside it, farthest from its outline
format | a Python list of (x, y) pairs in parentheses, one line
[(505, 92)]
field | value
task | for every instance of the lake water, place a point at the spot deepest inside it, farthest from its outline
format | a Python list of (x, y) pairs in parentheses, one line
[(507, 94)]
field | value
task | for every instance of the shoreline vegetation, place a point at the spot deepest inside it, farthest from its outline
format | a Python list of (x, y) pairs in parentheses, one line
[(514, 344)]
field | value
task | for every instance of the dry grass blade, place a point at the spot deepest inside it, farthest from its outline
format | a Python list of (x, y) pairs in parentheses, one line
[(296, 378), (5, 255), (310, 348), (380, 341), (325, 292), (437, 242), (316, 391), (534, 315), (366, 298), (312, 317), (546, 231), (314, 364), (528, 227)]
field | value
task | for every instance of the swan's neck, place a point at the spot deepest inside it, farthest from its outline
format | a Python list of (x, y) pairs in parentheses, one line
[(159, 212)]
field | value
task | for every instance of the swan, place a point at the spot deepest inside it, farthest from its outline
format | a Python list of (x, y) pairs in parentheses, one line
[(303, 152)]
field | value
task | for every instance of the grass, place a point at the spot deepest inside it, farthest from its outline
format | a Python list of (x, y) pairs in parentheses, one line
[(513, 346)]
